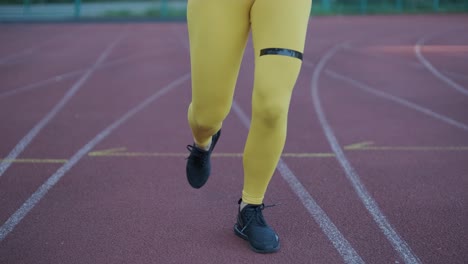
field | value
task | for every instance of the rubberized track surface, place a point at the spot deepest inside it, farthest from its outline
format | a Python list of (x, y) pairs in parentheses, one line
[(93, 135)]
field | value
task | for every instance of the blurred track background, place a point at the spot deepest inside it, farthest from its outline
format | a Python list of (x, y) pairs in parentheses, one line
[(60, 10), (93, 132)]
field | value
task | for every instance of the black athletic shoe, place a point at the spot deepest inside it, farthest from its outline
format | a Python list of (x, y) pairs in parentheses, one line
[(252, 227), (198, 163)]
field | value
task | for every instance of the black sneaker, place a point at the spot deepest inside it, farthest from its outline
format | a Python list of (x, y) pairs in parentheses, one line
[(252, 227), (198, 163)]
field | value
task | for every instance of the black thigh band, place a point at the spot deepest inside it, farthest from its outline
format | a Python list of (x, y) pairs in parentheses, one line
[(283, 52)]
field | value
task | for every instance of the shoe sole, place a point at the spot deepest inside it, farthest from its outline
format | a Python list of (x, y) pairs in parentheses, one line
[(246, 238)]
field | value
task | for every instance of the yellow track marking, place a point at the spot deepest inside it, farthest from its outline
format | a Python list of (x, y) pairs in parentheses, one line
[(369, 145), (360, 146), (308, 155), (120, 152)]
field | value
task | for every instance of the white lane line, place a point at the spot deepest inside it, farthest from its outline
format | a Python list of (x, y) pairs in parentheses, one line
[(40, 83), (396, 241), (456, 75), (398, 100), (433, 70), (67, 75), (24, 52), (404, 62), (340, 243), (38, 127), (29, 204), (29, 51), (389, 59)]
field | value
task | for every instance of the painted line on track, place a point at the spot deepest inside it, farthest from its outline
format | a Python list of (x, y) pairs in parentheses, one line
[(369, 145), (24, 142), (398, 100), (40, 83), (344, 248), (67, 75), (121, 152), (386, 58), (29, 204), (30, 50), (404, 62), (417, 50), (13, 56), (370, 204), (356, 147)]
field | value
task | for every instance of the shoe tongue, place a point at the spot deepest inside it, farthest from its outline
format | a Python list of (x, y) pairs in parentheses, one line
[(198, 152), (254, 211)]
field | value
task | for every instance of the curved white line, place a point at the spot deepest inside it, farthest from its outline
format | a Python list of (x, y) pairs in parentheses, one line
[(29, 204), (433, 70), (344, 248), (403, 62), (396, 241), (398, 100)]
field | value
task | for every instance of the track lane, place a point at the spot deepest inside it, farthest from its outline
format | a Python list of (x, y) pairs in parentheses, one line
[(117, 208)]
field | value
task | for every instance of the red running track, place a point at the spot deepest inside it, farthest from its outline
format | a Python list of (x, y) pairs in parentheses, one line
[(99, 184)]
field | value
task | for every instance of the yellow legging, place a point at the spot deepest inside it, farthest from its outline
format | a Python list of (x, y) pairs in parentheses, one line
[(218, 32)]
